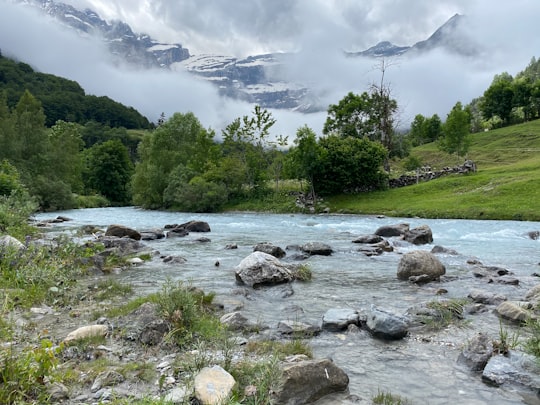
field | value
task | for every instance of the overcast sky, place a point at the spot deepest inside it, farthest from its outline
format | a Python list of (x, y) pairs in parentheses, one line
[(318, 30)]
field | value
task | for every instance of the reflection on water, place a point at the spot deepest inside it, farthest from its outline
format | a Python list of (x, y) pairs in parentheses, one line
[(423, 370)]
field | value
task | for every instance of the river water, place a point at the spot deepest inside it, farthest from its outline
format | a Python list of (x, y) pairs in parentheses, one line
[(421, 368)]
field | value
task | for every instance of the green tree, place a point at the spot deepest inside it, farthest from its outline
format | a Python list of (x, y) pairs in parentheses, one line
[(498, 98), (64, 156), (424, 130), (248, 140), (303, 158), (180, 148), (352, 116), (109, 170), (31, 136), (8, 138), (368, 115), (456, 129), (349, 165)]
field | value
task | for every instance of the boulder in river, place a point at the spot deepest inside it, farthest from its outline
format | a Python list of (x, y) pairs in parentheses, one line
[(317, 248), (191, 226), (386, 325), (338, 319), (269, 248), (420, 263), (121, 231), (419, 236), (477, 352), (306, 381), (389, 231), (260, 268), (515, 368)]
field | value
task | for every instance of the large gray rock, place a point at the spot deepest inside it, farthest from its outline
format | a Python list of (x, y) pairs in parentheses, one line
[(514, 311), (121, 231), (306, 381), (419, 236), (419, 263), (10, 242), (195, 226), (388, 231), (337, 319), (533, 295), (386, 325), (269, 248), (477, 352), (213, 385), (484, 297), (317, 248), (369, 239), (515, 368), (145, 325), (260, 268)]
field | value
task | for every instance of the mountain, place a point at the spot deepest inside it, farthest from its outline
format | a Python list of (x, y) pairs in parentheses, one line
[(382, 49), (256, 79), (123, 43), (451, 37)]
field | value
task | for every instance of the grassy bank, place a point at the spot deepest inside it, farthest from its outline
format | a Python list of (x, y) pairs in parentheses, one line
[(506, 185)]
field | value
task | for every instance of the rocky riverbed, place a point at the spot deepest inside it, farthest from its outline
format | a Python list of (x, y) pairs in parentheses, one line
[(128, 340)]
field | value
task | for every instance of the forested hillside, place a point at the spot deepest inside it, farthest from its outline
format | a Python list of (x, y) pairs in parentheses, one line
[(64, 99), (89, 158)]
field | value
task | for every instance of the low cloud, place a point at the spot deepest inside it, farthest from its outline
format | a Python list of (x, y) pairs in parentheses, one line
[(428, 84)]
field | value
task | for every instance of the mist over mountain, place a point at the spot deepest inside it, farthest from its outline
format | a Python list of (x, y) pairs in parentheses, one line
[(456, 63)]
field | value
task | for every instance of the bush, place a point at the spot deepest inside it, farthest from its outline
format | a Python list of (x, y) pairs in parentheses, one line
[(23, 375), (412, 163), (188, 310), (198, 195)]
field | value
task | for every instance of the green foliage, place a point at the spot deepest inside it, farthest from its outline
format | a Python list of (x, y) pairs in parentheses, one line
[(368, 115), (265, 376), (197, 195), (15, 207), (456, 130), (349, 165), (246, 139), (64, 99), (387, 398), (177, 150), (497, 100), (23, 376), (303, 273), (412, 163), (27, 275), (109, 170), (444, 313), (532, 344), (506, 340), (188, 310), (424, 130)]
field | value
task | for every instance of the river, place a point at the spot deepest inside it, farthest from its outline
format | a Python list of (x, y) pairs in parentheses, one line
[(423, 368)]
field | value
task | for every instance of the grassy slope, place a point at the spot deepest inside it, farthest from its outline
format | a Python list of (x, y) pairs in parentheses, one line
[(506, 186)]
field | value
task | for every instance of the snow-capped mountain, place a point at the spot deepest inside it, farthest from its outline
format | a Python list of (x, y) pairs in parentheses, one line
[(123, 43), (256, 79)]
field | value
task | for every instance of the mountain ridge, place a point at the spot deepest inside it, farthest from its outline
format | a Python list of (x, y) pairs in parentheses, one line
[(256, 79)]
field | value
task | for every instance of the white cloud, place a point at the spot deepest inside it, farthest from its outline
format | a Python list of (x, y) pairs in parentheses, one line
[(318, 29)]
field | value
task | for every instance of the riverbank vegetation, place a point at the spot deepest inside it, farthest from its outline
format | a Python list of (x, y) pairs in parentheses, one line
[(181, 165)]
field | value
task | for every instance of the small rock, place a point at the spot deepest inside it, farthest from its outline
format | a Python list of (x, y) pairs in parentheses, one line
[(213, 385)]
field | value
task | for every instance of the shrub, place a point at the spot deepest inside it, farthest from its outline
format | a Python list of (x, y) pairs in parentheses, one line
[(188, 310), (23, 375)]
